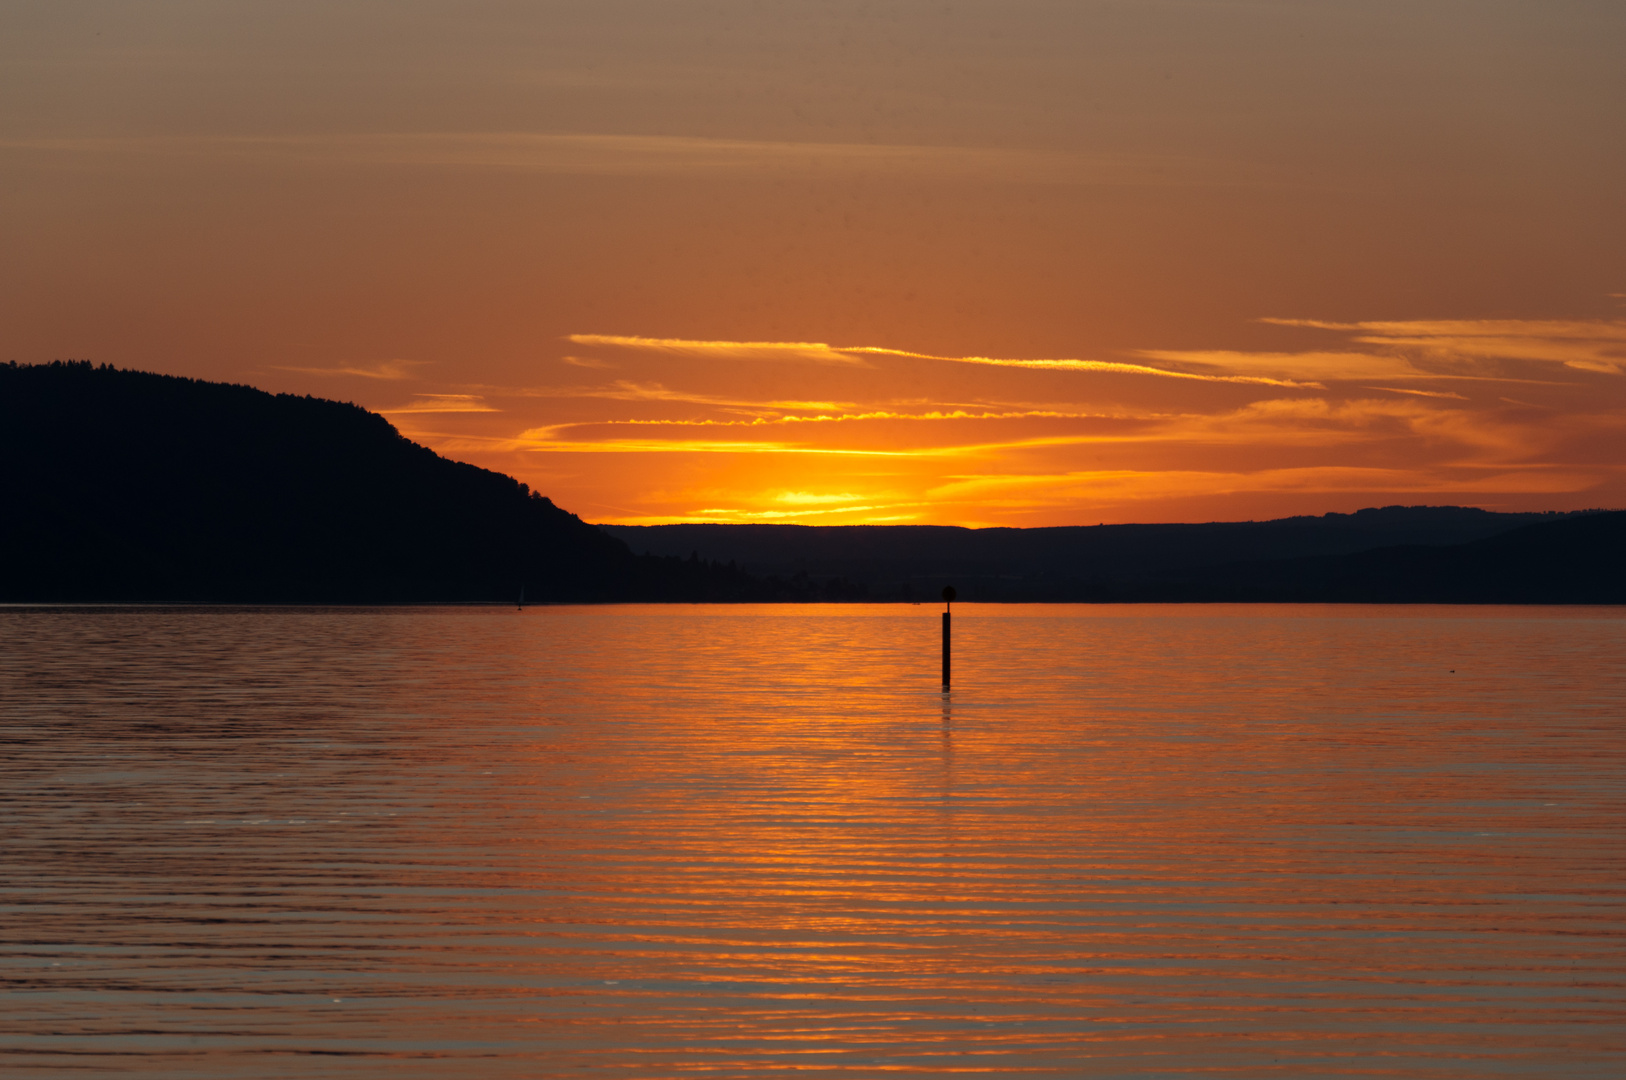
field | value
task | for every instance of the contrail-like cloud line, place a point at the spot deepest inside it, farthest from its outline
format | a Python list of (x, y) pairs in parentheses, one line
[(820, 352), (1085, 365)]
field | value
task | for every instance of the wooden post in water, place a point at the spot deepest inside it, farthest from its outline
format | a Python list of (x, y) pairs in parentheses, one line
[(948, 602)]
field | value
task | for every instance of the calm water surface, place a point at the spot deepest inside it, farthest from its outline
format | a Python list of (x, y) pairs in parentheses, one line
[(656, 842)]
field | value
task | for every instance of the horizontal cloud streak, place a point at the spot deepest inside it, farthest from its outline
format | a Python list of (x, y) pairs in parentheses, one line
[(442, 403), (813, 432), (813, 351), (1446, 395), (1135, 486), (544, 442), (389, 370), (668, 155), (1283, 367), (1278, 423), (876, 414), (819, 352), (1596, 345), (1111, 366), (629, 390)]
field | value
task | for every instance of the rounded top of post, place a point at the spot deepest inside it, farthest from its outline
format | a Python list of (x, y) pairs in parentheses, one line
[(948, 594)]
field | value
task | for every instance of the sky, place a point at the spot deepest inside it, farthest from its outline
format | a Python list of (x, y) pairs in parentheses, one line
[(1025, 262)]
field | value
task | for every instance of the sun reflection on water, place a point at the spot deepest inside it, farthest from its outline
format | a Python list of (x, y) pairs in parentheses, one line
[(660, 841)]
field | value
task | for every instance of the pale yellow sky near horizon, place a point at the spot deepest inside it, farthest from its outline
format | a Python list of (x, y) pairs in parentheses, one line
[(1024, 263)]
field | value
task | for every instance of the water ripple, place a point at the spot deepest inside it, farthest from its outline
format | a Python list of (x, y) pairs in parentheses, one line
[(1137, 842)]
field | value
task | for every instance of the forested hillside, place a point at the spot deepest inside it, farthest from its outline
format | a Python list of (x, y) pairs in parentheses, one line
[(123, 485)]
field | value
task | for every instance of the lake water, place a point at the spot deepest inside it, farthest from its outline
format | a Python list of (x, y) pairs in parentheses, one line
[(669, 841)]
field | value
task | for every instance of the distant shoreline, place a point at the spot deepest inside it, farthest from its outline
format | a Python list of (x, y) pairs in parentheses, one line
[(126, 487), (235, 605)]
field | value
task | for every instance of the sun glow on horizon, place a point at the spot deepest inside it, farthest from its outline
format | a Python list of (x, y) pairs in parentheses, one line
[(679, 430), (1029, 263)]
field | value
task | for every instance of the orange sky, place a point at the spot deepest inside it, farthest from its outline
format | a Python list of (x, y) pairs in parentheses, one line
[(979, 263)]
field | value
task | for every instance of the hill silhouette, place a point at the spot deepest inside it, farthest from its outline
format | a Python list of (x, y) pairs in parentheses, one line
[(130, 486), (1578, 559), (1398, 554), (124, 485)]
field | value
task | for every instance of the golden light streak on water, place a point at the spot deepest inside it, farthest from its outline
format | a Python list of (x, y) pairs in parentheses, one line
[(1136, 841)]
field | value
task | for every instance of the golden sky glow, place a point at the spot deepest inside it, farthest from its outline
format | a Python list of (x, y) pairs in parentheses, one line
[(726, 431), (1010, 263)]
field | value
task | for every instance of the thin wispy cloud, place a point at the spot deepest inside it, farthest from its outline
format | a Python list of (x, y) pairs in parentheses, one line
[(1292, 369), (727, 431), (1445, 394), (632, 391), (807, 351), (1275, 422), (1596, 345), (871, 415), (1110, 366), (544, 440), (442, 403), (821, 353), (388, 370), (677, 155), (1127, 485)]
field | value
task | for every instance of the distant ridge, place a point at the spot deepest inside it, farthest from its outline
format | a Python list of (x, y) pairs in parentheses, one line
[(1393, 554), (1579, 559), (129, 486)]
